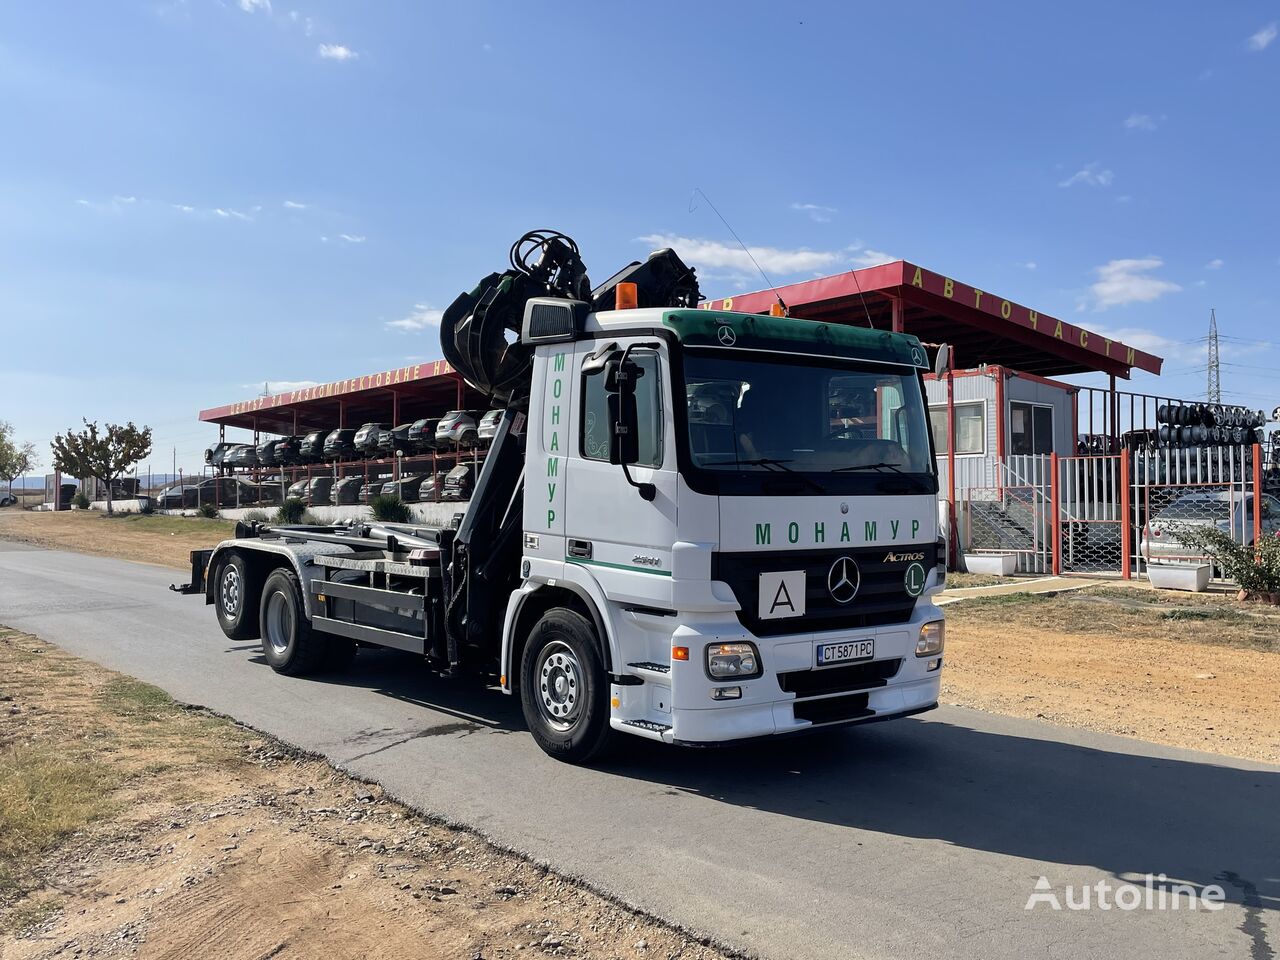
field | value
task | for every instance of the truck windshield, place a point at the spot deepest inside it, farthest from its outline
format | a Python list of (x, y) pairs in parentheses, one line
[(834, 422)]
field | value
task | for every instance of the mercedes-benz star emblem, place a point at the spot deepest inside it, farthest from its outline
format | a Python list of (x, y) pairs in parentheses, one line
[(726, 336), (843, 579)]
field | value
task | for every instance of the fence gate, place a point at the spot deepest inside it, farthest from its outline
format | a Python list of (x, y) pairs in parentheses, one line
[(1013, 517), (1091, 530)]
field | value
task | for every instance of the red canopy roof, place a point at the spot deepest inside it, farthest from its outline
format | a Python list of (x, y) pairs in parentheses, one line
[(982, 327)]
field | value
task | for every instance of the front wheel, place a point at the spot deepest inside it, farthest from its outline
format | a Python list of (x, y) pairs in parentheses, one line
[(564, 691)]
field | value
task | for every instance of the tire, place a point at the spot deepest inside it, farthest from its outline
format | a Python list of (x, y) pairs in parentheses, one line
[(236, 599), (564, 691), (289, 644)]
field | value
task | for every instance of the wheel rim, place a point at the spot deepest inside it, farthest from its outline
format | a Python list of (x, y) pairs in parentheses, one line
[(559, 685), (229, 592), (279, 622)]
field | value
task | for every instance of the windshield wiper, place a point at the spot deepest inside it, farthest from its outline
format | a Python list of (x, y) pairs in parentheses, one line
[(884, 465), (767, 462)]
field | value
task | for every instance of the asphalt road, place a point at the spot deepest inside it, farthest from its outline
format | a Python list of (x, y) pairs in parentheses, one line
[(923, 837)]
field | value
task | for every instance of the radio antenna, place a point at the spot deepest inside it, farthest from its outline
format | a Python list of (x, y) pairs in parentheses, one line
[(698, 191), (853, 271)]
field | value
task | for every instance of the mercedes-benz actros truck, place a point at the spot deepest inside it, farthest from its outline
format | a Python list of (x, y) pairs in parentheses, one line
[(692, 526)]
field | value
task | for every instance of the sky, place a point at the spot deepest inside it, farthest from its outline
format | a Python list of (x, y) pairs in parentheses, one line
[(202, 196)]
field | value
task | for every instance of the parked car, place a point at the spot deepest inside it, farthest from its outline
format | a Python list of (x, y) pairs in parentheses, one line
[(395, 439), (488, 427), (214, 455), (1229, 512), (176, 496), (242, 456), (347, 490), (298, 489), (422, 435), (457, 426), (374, 487), (366, 439), (319, 491), (271, 491), (340, 445), (414, 488), (287, 451), (311, 448), (459, 482), (267, 452)]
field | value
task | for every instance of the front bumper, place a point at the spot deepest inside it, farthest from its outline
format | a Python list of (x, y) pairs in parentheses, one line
[(673, 703)]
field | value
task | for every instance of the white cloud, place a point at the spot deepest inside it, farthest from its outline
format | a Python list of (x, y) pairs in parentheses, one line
[(1140, 121), (229, 214), (715, 255), (352, 238), (872, 258), (1122, 282), (336, 51), (1262, 39), (117, 204), (294, 205), (251, 6), (281, 386), (1030, 265), (183, 208), (422, 317), (816, 211), (1214, 264), (1124, 198), (304, 22), (1090, 175)]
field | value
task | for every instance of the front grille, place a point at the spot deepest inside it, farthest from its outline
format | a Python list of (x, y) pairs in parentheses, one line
[(856, 676), (835, 709), (882, 595)]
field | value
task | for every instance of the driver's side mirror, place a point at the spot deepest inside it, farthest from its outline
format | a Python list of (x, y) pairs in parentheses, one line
[(624, 417)]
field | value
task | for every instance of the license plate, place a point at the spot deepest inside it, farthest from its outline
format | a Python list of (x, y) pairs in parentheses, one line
[(845, 651)]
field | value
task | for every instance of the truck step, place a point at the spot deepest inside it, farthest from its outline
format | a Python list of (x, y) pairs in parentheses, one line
[(651, 667), (647, 725)]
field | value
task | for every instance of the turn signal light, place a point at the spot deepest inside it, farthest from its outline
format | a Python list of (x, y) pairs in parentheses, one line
[(679, 653), (626, 296), (777, 310)]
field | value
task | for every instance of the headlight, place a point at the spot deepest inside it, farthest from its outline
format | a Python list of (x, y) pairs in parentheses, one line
[(732, 661), (931, 637)]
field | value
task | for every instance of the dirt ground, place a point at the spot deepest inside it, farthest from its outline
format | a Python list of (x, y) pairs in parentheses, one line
[(165, 540), (1189, 670), (132, 827)]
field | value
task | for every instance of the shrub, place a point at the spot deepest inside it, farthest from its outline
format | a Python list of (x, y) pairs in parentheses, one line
[(80, 500), (1254, 569), (256, 516), (208, 510), (291, 511), (147, 507), (389, 508)]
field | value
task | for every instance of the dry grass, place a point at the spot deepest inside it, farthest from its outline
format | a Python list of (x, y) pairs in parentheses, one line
[(130, 825), (164, 540)]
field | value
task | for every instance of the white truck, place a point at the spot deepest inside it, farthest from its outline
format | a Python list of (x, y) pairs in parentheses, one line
[(692, 526)]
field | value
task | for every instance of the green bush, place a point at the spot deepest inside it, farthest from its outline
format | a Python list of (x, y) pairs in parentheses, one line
[(80, 500), (256, 516), (1255, 569), (148, 506), (208, 510), (389, 508), (291, 511)]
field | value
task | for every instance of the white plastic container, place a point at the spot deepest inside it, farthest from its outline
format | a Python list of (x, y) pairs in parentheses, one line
[(997, 564), (1179, 576)]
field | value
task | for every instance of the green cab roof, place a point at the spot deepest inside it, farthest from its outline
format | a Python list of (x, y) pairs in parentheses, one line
[(751, 331)]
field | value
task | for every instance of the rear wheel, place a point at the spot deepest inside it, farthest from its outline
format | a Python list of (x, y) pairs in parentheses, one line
[(289, 644), (236, 594), (564, 690)]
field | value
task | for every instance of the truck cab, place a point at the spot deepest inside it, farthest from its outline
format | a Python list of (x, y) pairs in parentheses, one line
[(762, 560)]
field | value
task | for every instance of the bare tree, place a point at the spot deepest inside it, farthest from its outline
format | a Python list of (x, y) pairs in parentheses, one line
[(102, 455)]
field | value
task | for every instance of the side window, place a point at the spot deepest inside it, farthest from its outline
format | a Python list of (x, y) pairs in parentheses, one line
[(594, 434), (971, 427), (1030, 428)]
